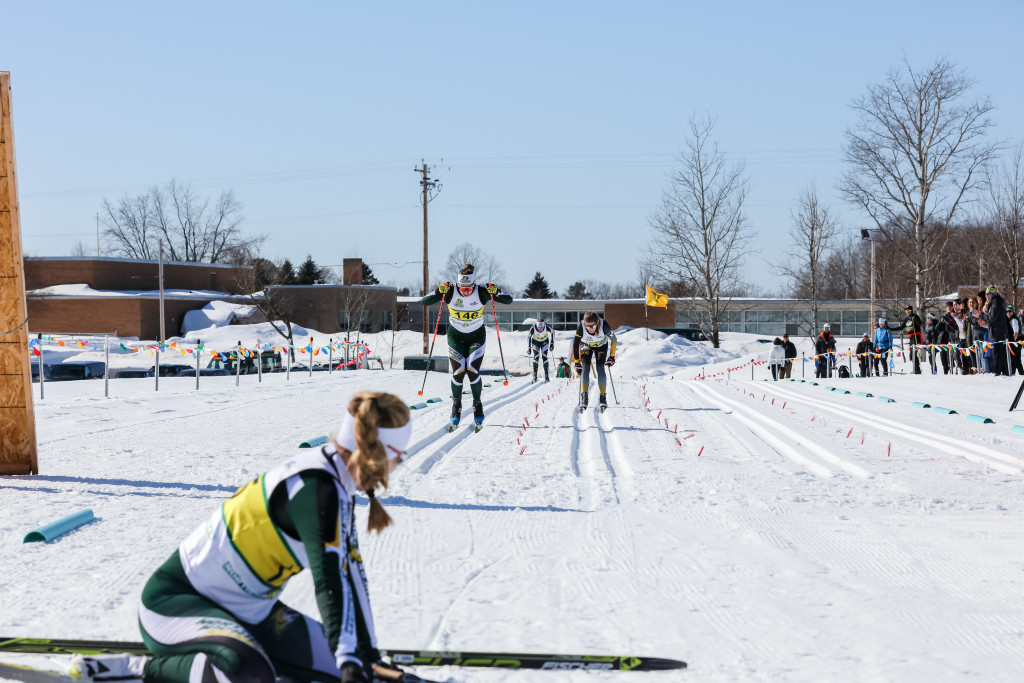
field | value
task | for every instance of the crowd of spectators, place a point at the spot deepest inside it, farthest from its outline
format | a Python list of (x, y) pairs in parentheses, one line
[(973, 335)]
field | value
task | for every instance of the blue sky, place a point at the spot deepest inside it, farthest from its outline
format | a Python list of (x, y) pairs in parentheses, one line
[(552, 125)]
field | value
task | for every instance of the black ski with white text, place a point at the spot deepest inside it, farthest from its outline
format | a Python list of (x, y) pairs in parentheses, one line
[(499, 660)]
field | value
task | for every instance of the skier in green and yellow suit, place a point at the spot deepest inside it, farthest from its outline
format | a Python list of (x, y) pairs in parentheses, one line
[(212, 611), (467, 335)]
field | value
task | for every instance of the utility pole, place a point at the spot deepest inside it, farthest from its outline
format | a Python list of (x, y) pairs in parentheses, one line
[(97, 234), (427, 184)]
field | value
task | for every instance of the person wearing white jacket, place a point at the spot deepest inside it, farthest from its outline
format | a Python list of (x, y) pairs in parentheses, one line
[(777, 358)]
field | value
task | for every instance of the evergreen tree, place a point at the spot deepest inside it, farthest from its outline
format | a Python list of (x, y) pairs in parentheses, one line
[(368, 277), (264, 272), (309, 273), (286, 273), (538, 288), (578, 290)]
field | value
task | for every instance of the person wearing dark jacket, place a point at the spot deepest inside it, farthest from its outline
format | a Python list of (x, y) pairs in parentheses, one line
[(993, 318), (912, 328), (790, 347), (864, 350), (950, 337), (931, 337), (823, 347), (1014, 336)]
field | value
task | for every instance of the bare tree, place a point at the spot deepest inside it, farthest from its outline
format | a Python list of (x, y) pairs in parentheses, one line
[(1007, 188), (915, 154), (488, 269), (700, 231), (261, 285), (79, 249), (129, 227), (811, 239), (192, 228)]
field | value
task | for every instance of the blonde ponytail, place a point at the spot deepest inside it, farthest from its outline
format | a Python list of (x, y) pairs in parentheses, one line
[(369, 462)]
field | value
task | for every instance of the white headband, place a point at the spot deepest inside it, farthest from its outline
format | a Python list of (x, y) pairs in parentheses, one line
[(395, 439), (465, 280)]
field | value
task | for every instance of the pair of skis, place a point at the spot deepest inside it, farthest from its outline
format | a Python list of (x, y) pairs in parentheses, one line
[(31, 674), (477, 426), (495, 660)]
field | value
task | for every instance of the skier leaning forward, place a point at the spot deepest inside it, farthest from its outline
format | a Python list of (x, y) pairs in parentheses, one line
[(211, 612), (467, 335), (594, 338), (541, 344)]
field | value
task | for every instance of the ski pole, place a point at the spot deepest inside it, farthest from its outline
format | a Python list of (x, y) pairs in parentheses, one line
[(498, 331), (611, 380), (430, 355)]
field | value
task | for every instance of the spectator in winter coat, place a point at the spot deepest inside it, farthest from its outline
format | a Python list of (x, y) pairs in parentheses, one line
[(951, 338), (790, 348), (864, 349), (912, 328), (883, 345), (966, 337), (993, 318), (777, 358), (979, 334), (1014, 336), (823, 348), (563, 369), (931, 338)]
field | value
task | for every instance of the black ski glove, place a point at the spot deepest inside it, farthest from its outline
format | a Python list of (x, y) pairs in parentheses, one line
[(353, 673), (610, 362)]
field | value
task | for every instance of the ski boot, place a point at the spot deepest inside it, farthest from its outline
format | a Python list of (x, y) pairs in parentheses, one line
[(603, 400), (534, 378), (456, 413), (584, 401), (478, 415), (547, 377)]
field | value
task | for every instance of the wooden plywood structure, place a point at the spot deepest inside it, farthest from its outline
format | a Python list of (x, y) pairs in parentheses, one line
[(17, 419)]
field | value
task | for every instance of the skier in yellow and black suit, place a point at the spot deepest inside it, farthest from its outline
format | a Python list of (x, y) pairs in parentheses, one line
[(467, 335), (212, 611), (594, 338)]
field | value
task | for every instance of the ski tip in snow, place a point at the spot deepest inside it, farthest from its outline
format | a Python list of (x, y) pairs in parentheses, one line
[(28, 674)]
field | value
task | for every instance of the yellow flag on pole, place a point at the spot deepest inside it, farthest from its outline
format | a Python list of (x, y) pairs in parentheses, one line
[(655, 299)]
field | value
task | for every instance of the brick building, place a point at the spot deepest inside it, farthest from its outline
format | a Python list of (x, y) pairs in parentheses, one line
[(123, 295)]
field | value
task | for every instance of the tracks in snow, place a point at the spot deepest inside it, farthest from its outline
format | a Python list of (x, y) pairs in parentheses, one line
[(902, 431), (792, 445)]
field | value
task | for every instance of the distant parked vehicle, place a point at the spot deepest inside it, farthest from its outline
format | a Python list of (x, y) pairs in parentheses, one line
[(176, 370), (686, 333), (70, 370), (269, 360), (204, 372), (131, 373)]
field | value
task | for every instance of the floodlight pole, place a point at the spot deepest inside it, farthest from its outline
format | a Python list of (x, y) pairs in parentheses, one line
[(865, 234)]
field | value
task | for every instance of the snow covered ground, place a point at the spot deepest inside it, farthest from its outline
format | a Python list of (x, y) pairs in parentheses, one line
[(760, 531)]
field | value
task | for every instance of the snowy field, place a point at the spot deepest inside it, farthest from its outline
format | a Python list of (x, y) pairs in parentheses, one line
[(760, 531)]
